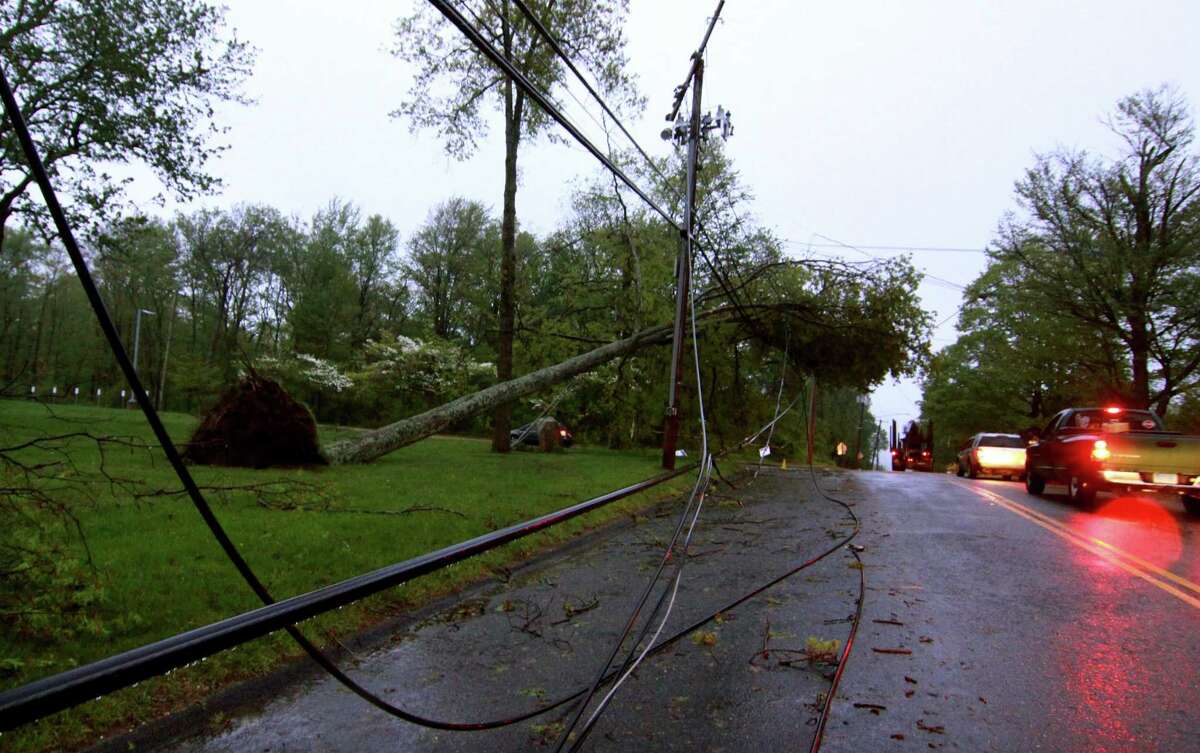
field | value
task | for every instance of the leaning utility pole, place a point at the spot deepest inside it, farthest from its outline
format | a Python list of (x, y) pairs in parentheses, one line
[(683, 273), (689, 132)]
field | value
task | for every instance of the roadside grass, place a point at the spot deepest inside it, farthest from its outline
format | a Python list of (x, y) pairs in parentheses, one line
[(158, 571)]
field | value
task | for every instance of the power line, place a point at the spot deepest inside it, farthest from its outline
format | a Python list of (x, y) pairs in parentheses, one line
[(558, 50), (935, 249), (944, 281), (489, 50)]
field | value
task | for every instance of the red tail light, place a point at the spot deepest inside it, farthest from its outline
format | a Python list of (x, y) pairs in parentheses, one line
[(1112, 410), (1100, 450), (562, 432)]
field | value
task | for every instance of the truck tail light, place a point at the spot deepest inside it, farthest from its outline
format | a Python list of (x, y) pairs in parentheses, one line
[(1100, 450)]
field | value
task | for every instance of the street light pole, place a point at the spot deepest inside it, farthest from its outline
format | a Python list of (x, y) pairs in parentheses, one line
[(137, 338)]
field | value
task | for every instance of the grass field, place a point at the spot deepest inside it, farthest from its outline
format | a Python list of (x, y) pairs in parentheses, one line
[(155, 570)]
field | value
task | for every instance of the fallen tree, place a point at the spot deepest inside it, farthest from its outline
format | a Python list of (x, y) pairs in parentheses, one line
[(848, 324), (379, 442)]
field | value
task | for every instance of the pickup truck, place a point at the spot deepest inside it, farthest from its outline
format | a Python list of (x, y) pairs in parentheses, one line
[(1113, 449)]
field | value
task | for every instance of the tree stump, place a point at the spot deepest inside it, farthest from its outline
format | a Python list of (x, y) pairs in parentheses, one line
[(548, 437)]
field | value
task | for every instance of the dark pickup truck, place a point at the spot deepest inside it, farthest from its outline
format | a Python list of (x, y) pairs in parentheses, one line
[(1098, 449)]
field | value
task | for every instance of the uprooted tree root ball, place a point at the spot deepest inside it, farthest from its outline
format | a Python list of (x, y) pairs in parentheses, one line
[(256, 424)]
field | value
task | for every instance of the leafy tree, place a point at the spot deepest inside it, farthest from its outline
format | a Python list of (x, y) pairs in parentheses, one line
[(454, 81), (137, 262), (1014, 366), (226, 261), (114, 81), (19, 283), (448, 264), (1113, 246), (323, 317), (374, 266)]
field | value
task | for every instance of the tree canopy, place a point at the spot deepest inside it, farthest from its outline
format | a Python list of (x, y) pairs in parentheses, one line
[(1093, 293), (114, 82)]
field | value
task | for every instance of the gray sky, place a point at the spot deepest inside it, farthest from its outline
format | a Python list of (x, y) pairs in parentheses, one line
[(872, 123)]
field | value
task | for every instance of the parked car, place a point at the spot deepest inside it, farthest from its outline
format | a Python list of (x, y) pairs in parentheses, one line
[(1097, 449), (528, 434), (987, 454)]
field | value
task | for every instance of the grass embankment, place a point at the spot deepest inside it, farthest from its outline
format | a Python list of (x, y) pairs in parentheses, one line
[(158, 571)]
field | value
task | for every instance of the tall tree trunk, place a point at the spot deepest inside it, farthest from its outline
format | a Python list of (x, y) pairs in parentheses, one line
[(34, 362), (1139, 353), (502, 419)]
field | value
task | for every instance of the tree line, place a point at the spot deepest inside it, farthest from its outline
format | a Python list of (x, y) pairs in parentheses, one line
[(367, 324), (1091, 294)]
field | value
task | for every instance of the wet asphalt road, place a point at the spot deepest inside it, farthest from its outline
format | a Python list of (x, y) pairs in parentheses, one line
[(1006, 623), (1033, 626)]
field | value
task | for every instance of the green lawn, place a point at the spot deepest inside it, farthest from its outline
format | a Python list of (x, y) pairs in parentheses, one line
[(160, 572)]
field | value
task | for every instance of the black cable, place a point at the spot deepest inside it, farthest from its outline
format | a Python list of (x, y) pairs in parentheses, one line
[(558, 50), (631, 621), (67, 237), (629, 660), (489, 50), (823, 716)]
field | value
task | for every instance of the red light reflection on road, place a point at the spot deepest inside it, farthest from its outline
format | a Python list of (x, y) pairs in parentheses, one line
[(1141, 526), (1099, 652), (1103, 677)]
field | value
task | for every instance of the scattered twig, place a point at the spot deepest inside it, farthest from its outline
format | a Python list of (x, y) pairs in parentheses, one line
[(571, 610)]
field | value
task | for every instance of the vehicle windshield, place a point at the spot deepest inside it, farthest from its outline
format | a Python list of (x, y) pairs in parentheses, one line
[(1126, 420), (1000, 440)]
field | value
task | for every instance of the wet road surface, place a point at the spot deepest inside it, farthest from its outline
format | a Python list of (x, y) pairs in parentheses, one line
[(509, 647), (1033, 625), (993, 621)]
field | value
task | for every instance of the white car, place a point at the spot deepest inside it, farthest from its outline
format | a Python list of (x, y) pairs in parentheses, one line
[(988, 454)]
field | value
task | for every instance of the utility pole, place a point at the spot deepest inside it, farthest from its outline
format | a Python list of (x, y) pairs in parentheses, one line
[(812, 418), (683, 273), (862, 409), (875, 447), (689, 132)]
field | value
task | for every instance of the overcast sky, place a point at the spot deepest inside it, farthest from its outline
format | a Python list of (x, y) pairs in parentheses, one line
[(871, 123)]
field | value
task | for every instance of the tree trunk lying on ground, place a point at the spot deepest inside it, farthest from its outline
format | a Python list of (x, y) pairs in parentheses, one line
[(379, 442)]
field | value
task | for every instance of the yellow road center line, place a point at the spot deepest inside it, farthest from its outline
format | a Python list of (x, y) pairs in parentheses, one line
[(1112, 556), (1160, 571)]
